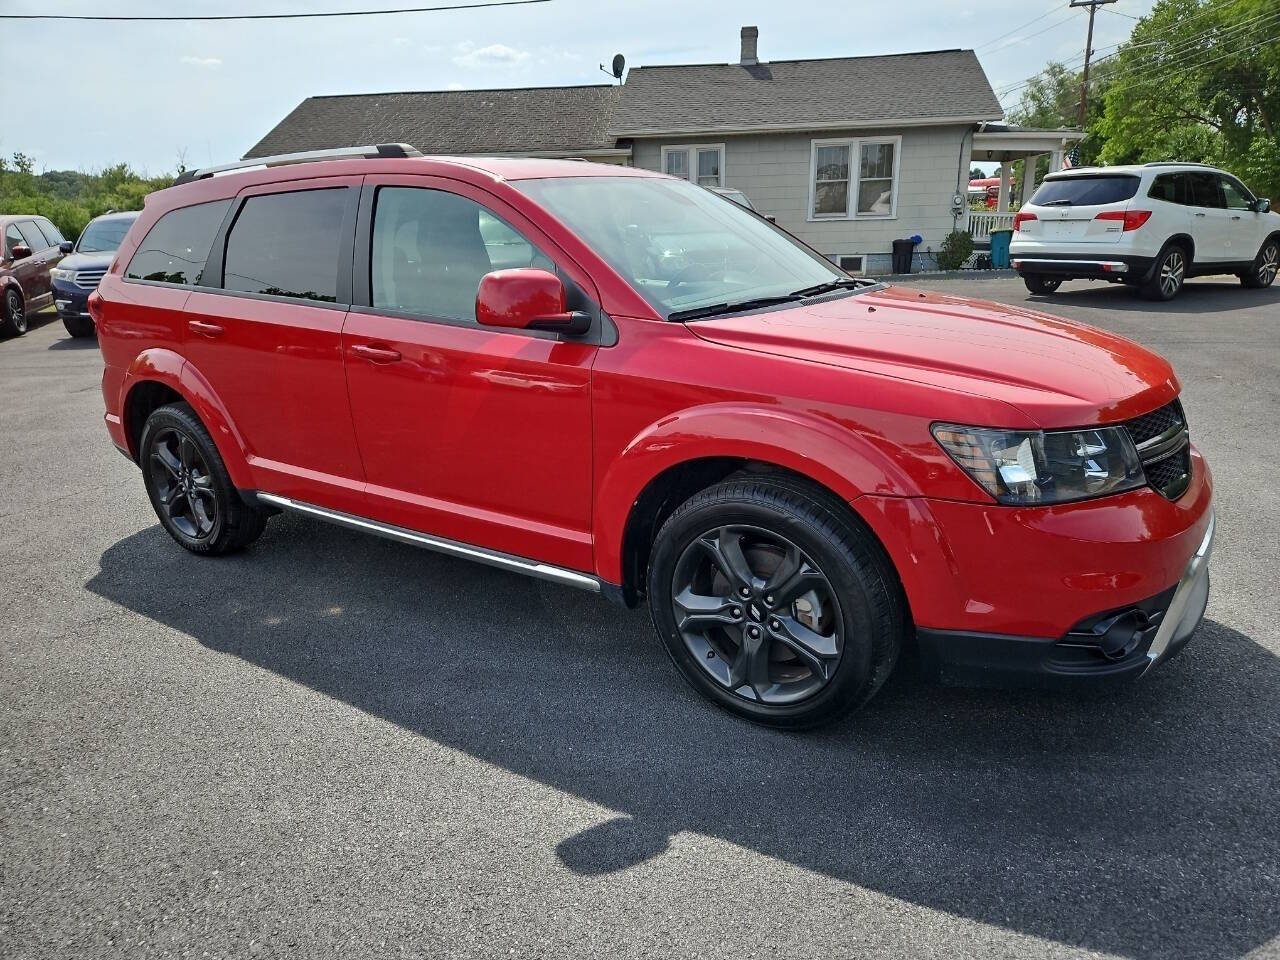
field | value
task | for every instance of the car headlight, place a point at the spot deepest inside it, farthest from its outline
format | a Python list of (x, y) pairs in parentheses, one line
[(59, 274), (1035, 467)]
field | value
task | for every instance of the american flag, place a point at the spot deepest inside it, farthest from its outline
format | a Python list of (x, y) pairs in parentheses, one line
[(1072, 159)]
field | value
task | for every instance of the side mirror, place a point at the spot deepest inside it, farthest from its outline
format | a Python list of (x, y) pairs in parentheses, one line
[(527, 299), (66, 246), (20, 251), (1262, 205)]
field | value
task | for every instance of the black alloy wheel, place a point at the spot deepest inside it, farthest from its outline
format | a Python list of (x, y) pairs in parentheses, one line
[(775, 601), (15, 313), (757, 614), (183, 484)]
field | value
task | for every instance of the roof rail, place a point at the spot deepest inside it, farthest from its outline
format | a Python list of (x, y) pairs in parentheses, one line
[(389, 150), (1178, 163)]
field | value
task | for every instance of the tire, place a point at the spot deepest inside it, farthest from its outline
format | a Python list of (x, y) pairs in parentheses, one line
[(1038, 283), (1167, 275), (189, 487), (15, 314), (1263, 272), (79, 326), (824, 601)]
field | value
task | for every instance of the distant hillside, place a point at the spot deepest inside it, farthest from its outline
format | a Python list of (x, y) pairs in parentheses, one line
[(71, 198)]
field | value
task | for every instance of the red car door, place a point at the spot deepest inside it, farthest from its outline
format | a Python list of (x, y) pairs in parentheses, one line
[(471, 433), (269, 341)]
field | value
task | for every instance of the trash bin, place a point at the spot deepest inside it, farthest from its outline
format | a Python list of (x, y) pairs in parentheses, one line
[(902, 251), (1000, 248)]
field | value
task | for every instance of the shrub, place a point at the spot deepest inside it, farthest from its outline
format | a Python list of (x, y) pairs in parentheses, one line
[(955, 250)]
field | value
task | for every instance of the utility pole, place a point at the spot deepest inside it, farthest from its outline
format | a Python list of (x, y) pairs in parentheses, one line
[(1093, 6)]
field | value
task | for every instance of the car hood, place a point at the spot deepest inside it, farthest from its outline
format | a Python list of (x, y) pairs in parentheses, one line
[(1058, 372), (87, 261)]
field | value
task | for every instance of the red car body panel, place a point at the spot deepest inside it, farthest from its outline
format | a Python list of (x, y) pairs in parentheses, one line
[(541, 447)]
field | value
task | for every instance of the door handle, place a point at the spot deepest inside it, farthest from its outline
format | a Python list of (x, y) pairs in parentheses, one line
[(205, 329), (1236, 217), (376, 354), (1199, 214)]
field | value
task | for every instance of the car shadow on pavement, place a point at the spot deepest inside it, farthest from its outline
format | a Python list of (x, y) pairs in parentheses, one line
[(1197, 296), (75, 343), (1142, 823)]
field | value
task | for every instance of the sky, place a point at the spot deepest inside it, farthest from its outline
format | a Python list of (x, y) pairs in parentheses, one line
[(149, 94)]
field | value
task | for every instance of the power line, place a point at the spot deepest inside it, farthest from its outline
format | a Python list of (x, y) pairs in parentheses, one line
[(1036, 19), (1017, 40), (269, 16), (1193, 66)]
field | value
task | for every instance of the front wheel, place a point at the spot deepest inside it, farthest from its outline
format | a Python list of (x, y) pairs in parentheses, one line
[(79, 326), (14, 321), (1263, 272), (1038, 283), (1167, 277), (189, 486), (774, 602)]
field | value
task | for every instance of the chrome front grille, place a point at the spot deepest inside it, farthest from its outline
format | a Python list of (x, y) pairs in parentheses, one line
[(89, 279), (1164, 447)]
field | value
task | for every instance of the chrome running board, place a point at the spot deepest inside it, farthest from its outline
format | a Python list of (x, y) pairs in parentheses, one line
[(504, 561)]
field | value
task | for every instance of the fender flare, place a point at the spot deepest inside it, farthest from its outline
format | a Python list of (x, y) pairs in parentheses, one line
[(160, 365), (845, 462)]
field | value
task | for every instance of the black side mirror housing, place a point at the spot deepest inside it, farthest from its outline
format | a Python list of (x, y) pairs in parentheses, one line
[(1262, 205), (66, 246)]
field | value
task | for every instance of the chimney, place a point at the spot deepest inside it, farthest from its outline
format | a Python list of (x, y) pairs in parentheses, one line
[(749, 37)]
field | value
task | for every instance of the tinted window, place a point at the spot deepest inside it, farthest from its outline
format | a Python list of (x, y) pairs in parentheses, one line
[(176, 247), (1235, 195), (1086, 191), (431, 249), (103, 236), (12, 238), (35, 239), (1206, 190), (51, 233), (286, 245), (1171, 187)]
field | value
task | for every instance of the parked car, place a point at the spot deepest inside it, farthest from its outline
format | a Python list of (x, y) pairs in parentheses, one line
[(799, 471), (30, 249), (87, 260), (1149, 226)]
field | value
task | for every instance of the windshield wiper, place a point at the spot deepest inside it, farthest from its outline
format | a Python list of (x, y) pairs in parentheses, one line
[(738, 306), (827, 287), (1055, 203)]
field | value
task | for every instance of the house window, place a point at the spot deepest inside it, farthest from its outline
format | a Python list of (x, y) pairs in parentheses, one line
[(854, 178), (702, 163)]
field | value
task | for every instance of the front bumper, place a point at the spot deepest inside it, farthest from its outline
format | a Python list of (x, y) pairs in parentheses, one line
[(1114, 646), (71, 300)]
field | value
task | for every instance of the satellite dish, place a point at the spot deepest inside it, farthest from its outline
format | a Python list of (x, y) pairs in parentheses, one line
[(619, 64)]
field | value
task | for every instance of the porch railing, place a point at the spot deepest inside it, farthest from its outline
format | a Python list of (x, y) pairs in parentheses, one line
[(982, 222)]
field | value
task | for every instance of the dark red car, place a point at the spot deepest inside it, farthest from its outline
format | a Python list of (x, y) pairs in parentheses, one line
[(29, 249), (615, 380)]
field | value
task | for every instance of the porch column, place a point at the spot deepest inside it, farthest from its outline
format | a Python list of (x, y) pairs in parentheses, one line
[(1002, 205), (1055, 160), (1029, 176)]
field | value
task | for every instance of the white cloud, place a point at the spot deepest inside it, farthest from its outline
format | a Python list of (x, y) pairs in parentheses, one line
[(202, 61), (494, 55)]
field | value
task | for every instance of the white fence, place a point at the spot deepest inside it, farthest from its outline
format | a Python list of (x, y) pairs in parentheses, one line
[(982, 222)]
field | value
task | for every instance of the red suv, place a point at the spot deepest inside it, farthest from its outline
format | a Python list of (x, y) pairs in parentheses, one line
[(615, 380)]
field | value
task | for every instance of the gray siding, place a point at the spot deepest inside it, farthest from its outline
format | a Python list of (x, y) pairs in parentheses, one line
[(773, 170)]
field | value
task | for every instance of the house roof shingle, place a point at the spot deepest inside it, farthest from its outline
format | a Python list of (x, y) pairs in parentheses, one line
[(523, 120), (795, 94)]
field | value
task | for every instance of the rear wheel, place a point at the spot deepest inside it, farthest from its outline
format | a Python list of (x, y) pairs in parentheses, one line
[(15, 314), (1168, 275), (774, 603), (1263, 272), (189, 487), (1038, 283), (79, 326)]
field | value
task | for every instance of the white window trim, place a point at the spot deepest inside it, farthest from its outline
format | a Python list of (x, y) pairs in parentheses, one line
[(855, 168), (692, 150)]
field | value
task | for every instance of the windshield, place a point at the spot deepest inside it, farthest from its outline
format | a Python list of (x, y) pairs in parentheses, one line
[(1086, 190), (104, 236), (681, 246)]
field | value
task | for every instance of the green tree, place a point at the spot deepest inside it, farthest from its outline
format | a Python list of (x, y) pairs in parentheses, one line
[(1199, 80)]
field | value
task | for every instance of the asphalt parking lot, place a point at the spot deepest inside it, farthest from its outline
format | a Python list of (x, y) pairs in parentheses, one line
[(334, 745)]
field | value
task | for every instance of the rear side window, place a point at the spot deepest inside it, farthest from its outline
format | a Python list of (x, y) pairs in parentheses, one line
[(286, 245), (1172, 188), (50, 232), (35, 239), (176, 247), (1206, 190), (1086, 191), (12, 238)]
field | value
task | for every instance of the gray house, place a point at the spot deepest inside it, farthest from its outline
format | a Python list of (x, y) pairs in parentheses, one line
[(847, 153)]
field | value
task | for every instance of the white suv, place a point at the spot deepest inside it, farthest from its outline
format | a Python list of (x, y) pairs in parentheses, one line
[(1150, 226)]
